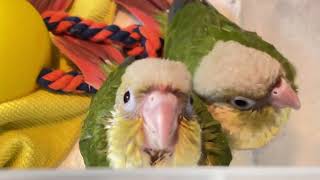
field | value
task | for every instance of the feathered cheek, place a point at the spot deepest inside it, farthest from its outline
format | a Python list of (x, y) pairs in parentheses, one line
[(125, 139)]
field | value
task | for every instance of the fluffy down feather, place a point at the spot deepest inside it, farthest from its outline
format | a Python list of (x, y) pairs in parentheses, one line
[(238, 70), (170, 73)]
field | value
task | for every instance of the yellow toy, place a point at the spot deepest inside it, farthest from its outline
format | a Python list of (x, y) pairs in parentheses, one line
[(24, 48), (37, 128)]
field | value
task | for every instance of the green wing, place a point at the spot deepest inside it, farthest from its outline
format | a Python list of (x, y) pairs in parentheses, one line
[(93, 144), (215, 147), (197, 27)]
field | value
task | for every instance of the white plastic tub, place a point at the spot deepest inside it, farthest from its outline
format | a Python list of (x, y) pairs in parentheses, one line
[(170, 174)]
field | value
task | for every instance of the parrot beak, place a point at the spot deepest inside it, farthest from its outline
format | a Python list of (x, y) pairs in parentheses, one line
[(160, 112), (282, 95)]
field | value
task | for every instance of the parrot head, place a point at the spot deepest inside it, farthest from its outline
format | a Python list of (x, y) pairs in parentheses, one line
[(247, 91), (153, 122)]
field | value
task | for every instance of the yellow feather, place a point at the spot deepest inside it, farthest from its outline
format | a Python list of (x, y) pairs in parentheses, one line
[(188, 149), (124, 139), (249, 129)]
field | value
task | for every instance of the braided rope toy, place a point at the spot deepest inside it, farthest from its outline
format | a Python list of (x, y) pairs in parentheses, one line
[(61, 82), (136, 40), (141, 41)]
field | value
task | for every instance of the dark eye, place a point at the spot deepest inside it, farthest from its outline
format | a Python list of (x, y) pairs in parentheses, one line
[(129, 101), (242, 103), (189, 108), (126, 97), (191, 100)]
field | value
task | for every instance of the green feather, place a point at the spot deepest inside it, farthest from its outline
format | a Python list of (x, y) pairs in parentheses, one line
[(93, 144), (189, 39), (162, 19), (215, 147)]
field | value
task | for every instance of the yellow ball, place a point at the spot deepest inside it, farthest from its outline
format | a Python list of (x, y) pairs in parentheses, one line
[(24, 48)]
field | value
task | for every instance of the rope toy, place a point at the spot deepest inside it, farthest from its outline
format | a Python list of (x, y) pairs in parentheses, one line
[(62, 82), (136, 40)]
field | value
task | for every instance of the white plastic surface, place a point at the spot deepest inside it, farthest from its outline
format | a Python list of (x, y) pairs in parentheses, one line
[(169, 174)]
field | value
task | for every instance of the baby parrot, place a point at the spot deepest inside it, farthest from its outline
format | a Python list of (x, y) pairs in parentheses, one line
[(145, 116), (247, 84)]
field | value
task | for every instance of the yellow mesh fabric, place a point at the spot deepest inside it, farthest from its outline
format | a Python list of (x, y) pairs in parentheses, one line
[(40, 129)]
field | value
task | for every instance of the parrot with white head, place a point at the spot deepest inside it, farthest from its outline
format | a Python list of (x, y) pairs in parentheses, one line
[(145, 116), (247, 84)]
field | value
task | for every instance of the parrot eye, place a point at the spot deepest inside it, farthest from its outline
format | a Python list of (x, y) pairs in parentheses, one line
[(189, 108), (191, 100), (126, 97), (129, 101), (242, 103)]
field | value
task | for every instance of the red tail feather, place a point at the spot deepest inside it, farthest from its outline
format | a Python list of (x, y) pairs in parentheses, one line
[(144, 10), (143, 5), (103, 51), (53, 5), (88, 57), (161, 4), (114, 54), (59, 5)]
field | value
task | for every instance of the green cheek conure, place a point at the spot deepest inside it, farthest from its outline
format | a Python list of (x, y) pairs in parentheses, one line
[(144, 115), (247, 84)]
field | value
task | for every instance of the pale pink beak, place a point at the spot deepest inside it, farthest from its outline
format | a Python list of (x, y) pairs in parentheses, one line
[(160, 112), (284, 96)]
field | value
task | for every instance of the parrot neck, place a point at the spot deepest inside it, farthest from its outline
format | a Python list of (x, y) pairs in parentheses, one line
[(126, 142), (249, 129)]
